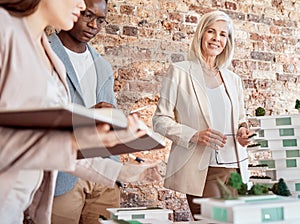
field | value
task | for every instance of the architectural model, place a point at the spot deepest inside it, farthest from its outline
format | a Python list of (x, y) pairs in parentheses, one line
[(277, 150)]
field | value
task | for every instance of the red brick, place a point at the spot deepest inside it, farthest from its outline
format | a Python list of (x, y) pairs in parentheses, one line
[(127, 9), (262, 56), (130, 31), (230, 5), (112, 29), (179, 36), (175, 16), (191, 19)]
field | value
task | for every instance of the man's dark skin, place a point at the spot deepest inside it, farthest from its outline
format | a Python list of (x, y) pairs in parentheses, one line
[(83, 31)]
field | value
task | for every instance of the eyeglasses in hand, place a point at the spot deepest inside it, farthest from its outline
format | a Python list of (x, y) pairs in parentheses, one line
[(216, 156), (89, 17)]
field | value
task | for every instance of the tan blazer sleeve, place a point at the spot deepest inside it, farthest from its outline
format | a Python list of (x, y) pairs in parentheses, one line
[(35, 149), (165, 118), (98, 170)]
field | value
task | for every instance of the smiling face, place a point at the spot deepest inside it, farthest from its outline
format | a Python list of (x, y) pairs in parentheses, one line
[(214, 39), (87, 27)]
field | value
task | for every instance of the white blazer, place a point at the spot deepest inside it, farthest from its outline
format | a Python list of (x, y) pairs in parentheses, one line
[(182, 110)]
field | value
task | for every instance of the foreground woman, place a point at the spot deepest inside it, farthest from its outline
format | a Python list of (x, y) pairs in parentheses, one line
[(31, 75)]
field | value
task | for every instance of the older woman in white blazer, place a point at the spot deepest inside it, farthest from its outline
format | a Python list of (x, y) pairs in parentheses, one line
[(201, 109)]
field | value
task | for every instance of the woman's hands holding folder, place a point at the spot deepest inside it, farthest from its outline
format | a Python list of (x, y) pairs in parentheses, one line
[(101, 135), (133, 131)]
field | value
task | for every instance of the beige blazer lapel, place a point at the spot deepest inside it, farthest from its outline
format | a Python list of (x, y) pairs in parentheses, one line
[(196, 75), (229, 87)]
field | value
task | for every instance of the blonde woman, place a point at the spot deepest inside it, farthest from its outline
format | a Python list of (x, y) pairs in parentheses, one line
[(201, 109)]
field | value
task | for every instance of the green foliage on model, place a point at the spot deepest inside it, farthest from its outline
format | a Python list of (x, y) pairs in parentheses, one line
[(281, 188), (297, 105), (235, 187), (260, 111), (235, 180), (258, 189)]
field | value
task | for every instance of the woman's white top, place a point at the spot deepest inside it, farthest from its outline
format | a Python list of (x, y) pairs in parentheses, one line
[(85, 70), (221, 114)]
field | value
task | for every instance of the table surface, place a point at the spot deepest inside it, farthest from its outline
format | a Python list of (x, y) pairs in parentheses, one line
[(192, 222)]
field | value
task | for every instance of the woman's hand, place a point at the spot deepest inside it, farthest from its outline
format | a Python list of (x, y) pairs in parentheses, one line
[(242, 136), (132, 132), (211, 138), (137, 172), (101, 135), (103, 105)]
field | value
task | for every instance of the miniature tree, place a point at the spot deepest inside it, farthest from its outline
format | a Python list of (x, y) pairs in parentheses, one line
[(235, 187), (281, 188), (235, 182), (297, 105), (260, 111), (243, 189), (258, 189)]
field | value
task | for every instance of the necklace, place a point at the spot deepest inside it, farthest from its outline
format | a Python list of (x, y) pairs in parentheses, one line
[(213, 73), (208, 70)]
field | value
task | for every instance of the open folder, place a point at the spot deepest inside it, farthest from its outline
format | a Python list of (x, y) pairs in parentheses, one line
[(73, 115)]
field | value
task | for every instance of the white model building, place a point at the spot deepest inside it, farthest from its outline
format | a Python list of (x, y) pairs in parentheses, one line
[(139, 213), (277, 156), (269, 209), (279, 139)]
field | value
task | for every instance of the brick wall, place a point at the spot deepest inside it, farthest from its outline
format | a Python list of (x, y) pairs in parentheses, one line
[(143, 37)]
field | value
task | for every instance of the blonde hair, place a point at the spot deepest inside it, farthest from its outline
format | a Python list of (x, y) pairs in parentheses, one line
[(195, 52)]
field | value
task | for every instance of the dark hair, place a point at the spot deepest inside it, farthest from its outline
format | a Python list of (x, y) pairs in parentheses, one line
[(20, 7)]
